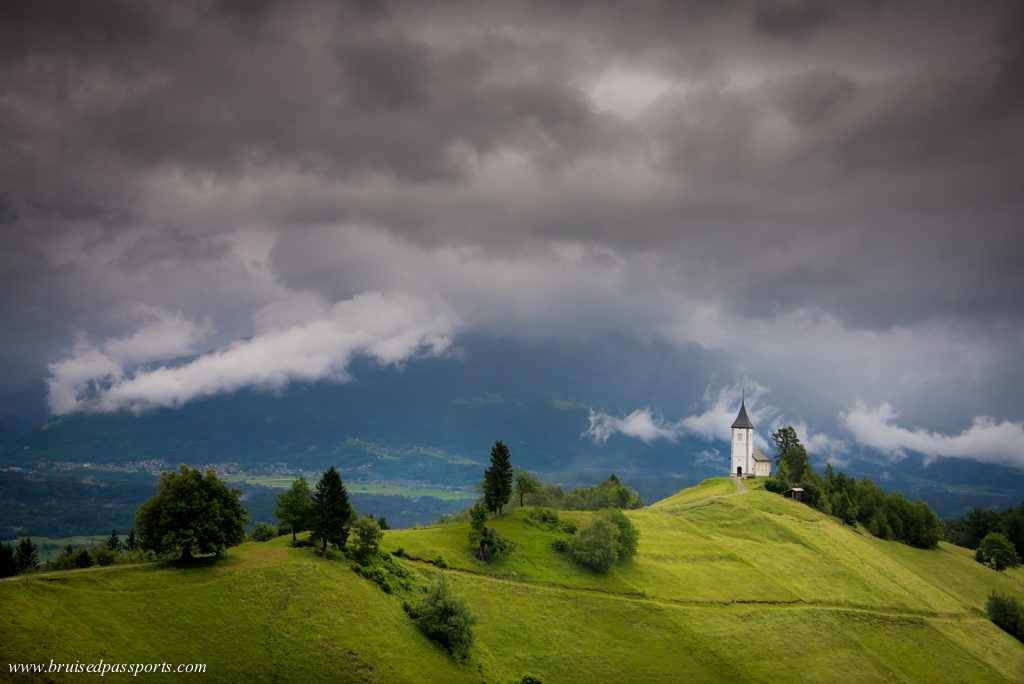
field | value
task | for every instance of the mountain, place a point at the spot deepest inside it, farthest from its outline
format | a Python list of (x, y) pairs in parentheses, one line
[(744, 587), (434, 420)]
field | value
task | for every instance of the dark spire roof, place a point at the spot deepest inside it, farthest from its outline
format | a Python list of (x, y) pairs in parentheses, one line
[(741, 420)]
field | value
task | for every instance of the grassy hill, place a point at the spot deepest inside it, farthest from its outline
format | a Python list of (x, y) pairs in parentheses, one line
[(746, 587)]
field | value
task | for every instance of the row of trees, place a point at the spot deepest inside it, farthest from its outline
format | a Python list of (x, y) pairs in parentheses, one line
[(886, 516), (969, 530)]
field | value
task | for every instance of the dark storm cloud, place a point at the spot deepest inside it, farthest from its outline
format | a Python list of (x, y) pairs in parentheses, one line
[(837, 176)]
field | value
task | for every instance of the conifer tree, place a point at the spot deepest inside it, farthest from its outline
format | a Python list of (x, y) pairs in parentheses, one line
[(498, 478), (25, 557), (113, 541), (130, 542), (331, 511)]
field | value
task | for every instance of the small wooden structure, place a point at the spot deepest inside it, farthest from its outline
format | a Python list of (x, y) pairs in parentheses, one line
[(796, 493)]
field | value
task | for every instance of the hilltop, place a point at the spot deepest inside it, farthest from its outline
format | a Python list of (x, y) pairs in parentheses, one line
[(751, 586)]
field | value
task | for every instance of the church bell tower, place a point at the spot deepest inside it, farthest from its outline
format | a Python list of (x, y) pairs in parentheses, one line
[(742, 444)]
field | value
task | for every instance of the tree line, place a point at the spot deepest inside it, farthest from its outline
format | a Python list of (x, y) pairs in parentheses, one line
[(997, 537), (887, 516)]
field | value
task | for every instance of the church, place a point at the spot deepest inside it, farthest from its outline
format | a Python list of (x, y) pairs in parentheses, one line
[(746, 460)]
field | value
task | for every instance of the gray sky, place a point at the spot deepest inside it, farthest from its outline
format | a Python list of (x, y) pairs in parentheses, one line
[(826, 194)]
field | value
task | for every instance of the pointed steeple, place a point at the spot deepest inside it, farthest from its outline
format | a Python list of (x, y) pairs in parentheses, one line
[(742, 421)]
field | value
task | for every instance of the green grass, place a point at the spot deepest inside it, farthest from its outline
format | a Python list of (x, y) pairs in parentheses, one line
[(747, 587), (716, 486)]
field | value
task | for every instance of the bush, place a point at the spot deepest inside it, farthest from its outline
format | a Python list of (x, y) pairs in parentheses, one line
[(445, 618), (596, 545), (263, 532), (367, 536), (440, 562), (566, 526), (629, 535), (384, 571), (544, 518), (490, 544), (776, 484), (1007, 613), (82, 558), (104, 556), (560, 545)]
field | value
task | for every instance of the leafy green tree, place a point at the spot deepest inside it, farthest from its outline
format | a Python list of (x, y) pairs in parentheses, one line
[(191, 513), (1007, 613), (8, 566), (295, 506), (790, 451), (446, 619), (596, 545), (262, 532), (498, 478), (331, 511), (629, 535), (366, 537), (846, 509), (25, 556), (997, 547), (113, 541), (524, 483)]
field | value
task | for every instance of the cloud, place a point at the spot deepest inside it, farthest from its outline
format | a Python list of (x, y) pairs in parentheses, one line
[(388, 327), (641, 424), (987, 440)]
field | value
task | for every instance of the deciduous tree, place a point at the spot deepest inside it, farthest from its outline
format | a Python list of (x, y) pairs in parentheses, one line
[(191, 513), (295, 506), (524, 483), (791, 451)]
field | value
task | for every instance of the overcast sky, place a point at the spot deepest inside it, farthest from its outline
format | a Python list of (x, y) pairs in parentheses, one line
[(826, 194)]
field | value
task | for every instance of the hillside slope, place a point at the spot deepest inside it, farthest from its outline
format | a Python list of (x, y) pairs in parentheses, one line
[(748, 587)]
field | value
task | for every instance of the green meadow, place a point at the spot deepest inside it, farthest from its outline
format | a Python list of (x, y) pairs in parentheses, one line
[(750, 587)]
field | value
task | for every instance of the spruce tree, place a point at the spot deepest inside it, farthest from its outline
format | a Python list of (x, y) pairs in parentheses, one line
[(130, 541), (331, 511), (113, 541), (498, 478), (25, 557)]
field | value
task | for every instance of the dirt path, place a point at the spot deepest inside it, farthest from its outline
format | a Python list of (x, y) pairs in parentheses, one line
[(57, 573)]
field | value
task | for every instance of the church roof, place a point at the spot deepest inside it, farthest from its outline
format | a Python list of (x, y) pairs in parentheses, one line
[(741, 420), (760, 455)]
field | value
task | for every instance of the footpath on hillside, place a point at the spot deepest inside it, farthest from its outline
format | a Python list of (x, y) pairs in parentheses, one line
[(75, 572)]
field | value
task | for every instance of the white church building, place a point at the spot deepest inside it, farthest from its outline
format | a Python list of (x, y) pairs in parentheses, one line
[(746, 460)]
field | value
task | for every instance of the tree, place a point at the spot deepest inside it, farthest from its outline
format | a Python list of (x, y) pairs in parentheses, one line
[(596, 545), (445, 618), (383, 522), (790, 451), (331, 511), (294, 506), (629, 535), (1007, 613), (113, 541), (498, 478), (8, 566), (366, 536), (846, 509), (130, 543), (997, 546), (191, 513), (524, 483), (25, 556), (262, 532)]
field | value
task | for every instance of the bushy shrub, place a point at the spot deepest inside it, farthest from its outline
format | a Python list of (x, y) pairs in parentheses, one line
[(384, 571), (1007, 613), (445, 618), (104, 556), (440, 562), (490, 544), (566, 526), (597, 545), (82, 558), (263, 532), (560, 545), (544, 518), (366, 537)]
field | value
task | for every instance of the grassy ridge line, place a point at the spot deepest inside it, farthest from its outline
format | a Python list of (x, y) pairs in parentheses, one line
[(713, 594)]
